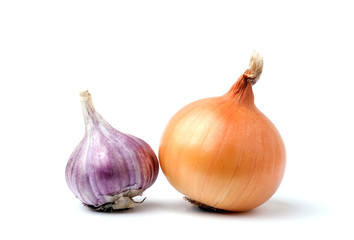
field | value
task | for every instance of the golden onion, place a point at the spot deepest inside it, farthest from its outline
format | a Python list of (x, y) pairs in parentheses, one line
[(222, 152)]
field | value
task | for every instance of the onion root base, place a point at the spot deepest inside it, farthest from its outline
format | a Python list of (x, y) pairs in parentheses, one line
[(204, 206)]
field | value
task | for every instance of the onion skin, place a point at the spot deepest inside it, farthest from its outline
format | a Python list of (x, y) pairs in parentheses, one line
[(108, 168), (222, 151)]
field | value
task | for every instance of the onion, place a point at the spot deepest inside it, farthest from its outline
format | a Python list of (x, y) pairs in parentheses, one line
[(222, 152)]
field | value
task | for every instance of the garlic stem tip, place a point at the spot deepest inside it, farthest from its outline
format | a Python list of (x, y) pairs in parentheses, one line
[(85, 94)]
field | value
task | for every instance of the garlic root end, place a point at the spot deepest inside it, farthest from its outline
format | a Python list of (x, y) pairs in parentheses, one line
[(123, 203), (119, 201)]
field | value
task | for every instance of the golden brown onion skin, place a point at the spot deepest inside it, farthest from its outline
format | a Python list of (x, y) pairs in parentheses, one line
[(223, 152)]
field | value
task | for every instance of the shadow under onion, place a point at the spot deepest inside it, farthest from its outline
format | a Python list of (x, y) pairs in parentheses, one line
[(271, 210)]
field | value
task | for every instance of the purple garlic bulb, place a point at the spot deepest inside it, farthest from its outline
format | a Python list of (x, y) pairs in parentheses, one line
[(108, 168)]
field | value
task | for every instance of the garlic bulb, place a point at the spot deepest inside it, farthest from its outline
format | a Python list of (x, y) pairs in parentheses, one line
[(108, 168)]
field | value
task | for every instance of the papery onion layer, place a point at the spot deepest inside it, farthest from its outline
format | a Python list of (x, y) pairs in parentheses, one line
[(222, 151)]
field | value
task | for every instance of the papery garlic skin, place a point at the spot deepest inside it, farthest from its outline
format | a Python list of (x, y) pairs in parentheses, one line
[(108, 168)]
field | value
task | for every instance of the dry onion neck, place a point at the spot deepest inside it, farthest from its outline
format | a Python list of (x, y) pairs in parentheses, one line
[(248, 78), (255, 68)]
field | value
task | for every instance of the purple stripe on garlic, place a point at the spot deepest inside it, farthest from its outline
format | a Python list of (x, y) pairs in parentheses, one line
[(108, 168)]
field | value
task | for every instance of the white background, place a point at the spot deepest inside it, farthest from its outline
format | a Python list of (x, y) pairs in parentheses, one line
[(144, 60)]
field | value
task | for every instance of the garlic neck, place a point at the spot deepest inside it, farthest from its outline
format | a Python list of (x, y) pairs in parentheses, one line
[(91, 118)]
